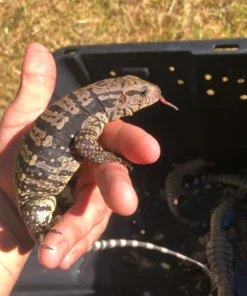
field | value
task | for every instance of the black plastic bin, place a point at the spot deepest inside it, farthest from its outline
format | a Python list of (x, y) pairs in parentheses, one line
[(207, 80)]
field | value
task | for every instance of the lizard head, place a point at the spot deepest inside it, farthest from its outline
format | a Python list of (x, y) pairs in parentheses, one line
[(130, 94)]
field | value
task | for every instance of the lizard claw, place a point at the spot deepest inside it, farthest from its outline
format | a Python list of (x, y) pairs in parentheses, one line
[(126, 163), (45, 246), (55, 230)]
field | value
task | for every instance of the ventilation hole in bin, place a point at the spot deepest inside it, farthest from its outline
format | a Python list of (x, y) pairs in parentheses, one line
[(172, 68), (180, 81), (70, 51), (208, 77), (241, 80), (113, 73), (225, 47), (210, 92), (243, 97), (142, 232), (225, 79)]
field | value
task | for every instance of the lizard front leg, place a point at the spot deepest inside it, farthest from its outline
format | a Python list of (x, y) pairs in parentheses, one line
[(85, 146), (38, 216)]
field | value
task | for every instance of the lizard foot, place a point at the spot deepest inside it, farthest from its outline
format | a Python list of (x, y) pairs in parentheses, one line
[(53, 230), (54, 221), (85, 146), (40, 239), (48, 228), (40, 242)]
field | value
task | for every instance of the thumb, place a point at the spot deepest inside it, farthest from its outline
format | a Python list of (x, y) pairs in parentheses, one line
[(37, 85)]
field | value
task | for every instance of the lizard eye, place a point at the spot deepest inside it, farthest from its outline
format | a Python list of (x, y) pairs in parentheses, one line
[(143, 91)]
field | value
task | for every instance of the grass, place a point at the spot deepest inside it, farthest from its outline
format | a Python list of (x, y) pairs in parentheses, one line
[(71, 22)]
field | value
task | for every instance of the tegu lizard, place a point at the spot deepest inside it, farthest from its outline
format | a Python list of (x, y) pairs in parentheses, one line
[(64, 135)]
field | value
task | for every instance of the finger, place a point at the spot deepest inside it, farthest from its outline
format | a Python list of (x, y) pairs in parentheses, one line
[(88, 211), (130, 141), (114, 184), (116, 188), (83, 245), (37, 85)]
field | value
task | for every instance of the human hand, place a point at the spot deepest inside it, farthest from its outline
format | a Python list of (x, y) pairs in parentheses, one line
[(100, 188)]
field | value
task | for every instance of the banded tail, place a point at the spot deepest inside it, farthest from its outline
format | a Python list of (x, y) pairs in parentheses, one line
[(122, 243)]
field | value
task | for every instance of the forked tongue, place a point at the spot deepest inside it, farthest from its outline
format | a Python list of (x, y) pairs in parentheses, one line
[(163, 101)]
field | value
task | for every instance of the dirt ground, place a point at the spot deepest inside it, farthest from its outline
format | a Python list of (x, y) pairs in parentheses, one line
[(60, 23)]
